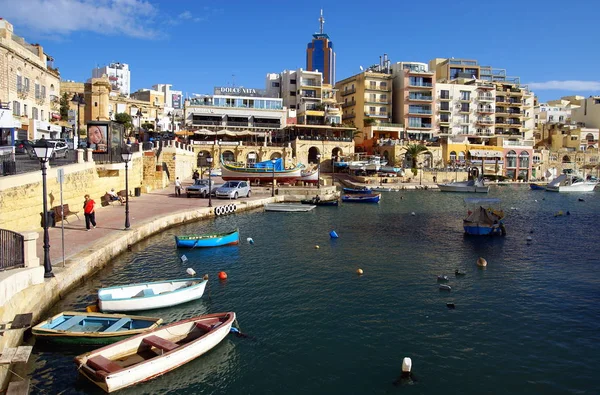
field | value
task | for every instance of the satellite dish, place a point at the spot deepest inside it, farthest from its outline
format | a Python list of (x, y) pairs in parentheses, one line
[(361, 68)]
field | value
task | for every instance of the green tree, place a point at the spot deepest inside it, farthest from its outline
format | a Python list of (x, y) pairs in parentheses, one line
[(64, 106), (413, 151), (369, 121), (124, 119)]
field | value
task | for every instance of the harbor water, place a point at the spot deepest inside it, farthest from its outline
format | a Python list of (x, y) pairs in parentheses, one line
[(528, 323)]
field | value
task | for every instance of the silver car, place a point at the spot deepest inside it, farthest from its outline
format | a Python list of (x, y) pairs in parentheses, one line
[(233, 190)]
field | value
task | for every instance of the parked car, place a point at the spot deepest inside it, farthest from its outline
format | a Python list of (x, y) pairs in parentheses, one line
[(233, 190), (24, 147), (61, 149), (200, 188)]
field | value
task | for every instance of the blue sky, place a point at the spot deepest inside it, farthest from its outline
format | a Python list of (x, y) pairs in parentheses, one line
[(195, 45)]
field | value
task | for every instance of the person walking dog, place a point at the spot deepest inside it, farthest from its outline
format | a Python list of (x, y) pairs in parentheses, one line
[(89, 210)]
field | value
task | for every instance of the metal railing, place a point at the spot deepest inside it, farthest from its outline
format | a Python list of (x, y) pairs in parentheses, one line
[(12, 164), (12, 254)]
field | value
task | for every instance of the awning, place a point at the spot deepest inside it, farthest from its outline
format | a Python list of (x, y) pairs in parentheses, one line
[(482, 153)]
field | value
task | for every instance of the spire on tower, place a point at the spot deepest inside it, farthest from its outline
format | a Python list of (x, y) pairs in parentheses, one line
[(321, 21)]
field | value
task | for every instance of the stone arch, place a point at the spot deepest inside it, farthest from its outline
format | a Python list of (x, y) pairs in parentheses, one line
[(337, 151), (386, 155), (251, 157), (427, 160), (312, 154), (589, 138), (453, 157), (511, 159), (228, 156), (524, 159), (275, 155), (566, 159)]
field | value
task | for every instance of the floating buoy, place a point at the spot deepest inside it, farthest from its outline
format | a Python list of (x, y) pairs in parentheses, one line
[(481, 262), (184, 259), (413, 213), (359, 272), (444, 287), (581, 200), (568, 213), (535, 200), (317, 247), (190, 271), (333, 234), (529, 238), (222, 276), (406, 365), (250, 240), (451, 306), (205, 277), (558, 214), (441, 278)]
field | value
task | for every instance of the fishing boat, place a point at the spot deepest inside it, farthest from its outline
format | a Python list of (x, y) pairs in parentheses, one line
[(537, 187), (153, 295), (391, 169), (144, 357), (383, 189), (73, 327), (360, 198), (364, 190), (209, 240), (262, 172), (289, 207), (309, 176), (484, 221), (571, 183), (320, 202), (472, 186)]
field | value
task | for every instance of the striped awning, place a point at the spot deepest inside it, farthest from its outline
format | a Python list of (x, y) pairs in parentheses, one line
[(482, 153)]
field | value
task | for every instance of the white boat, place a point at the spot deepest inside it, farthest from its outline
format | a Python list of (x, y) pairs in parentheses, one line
[(390, 169), (151, 354), (383, 189), (289, 207), (473, 186), (147, 296), (310, 176), (570, 183)]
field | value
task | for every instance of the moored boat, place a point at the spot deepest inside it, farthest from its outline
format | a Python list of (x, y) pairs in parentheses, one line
[(209, 240), (484, 221), (152, 295), (571, 183), (289, 207), (320, 202), (143, 357), (309, 176), (363, 190), (537, 187), (361, 198), (262, 172), (471, 186), (73, 327)]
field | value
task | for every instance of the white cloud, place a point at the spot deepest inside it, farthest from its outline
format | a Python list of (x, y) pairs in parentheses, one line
[(61, 17), (185, 15), (570, 85)]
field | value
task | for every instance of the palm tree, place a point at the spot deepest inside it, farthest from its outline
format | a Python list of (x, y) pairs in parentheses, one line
[(414, 150)]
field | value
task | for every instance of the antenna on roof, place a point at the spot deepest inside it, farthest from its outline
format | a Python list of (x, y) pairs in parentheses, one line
[(361, 68), (321, 21)]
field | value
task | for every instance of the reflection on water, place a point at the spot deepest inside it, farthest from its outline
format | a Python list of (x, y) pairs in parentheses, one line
[(320, 328)]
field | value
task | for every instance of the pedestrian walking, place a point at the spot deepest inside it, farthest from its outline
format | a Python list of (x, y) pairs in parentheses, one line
[(89, 211), (177, 187), (196, 175)]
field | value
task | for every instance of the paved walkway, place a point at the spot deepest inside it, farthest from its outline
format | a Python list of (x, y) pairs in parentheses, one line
[(111, 219)]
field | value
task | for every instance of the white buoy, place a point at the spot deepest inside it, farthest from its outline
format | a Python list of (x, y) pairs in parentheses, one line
[(190, 271), (413, 213), (184, 259), (529, 238), (406, 365), (250, 240)]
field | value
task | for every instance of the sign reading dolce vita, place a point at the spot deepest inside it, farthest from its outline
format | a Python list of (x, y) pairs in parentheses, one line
[(239, 91)]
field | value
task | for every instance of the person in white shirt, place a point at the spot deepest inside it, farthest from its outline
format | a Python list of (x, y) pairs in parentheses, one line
[(177, 187), (115, 197)]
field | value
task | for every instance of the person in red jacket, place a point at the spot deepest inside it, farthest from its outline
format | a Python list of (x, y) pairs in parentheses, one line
[(89, 210)]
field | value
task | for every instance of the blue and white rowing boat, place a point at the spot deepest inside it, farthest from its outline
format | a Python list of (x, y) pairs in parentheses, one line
[(359, 198), (358, 191), (209, 240)]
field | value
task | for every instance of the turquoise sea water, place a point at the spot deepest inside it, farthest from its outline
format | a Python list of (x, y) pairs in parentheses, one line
[(529, 323)]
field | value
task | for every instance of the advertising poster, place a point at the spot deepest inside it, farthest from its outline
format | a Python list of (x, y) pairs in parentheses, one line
[(98, 137)]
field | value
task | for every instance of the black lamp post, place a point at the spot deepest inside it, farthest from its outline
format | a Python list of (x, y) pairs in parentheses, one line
[(201, 155), (43, 151), (126, 156), (139, 116), (273, 189), (318, 171), (420, 173), (79, 99), (156, 120), (209, 161)]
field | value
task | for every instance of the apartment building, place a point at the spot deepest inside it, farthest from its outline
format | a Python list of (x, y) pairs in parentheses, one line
[(450, 69), (514, 111), (29, 90), (172, 108), (588, 113), (413, 98), (547, 114), (119, 76)]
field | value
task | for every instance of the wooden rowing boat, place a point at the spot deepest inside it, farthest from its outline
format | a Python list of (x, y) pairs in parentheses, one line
[(209, 240), (143, 357)]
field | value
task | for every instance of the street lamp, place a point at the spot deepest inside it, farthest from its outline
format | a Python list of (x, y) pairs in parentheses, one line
[(43, 151), (209, 161), (139, 116), (420, 172), (79, 99), (126, 156), (201, 155), (273, 189), (318, 171)]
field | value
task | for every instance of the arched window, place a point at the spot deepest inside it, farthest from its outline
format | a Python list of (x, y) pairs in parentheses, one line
[(452, 157), (228, 156), (461, 157), (511, 159), (312, 154), (251, 158), (566, 159), (524, 160)]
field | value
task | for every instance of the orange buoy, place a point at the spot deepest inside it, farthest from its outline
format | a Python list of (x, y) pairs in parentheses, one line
[(481, 262), (359, 272), (222, 276)]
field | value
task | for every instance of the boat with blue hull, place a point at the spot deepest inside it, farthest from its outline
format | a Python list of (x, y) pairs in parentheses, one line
[(484, 221), (72, 327), (208, 240), (359, 198), (537, 187), (316, 202), (358, 190)]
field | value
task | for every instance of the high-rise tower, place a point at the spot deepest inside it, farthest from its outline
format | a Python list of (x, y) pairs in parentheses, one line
[(320, 55)]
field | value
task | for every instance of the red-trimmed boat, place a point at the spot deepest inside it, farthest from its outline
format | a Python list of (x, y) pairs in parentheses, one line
[(261, 172)]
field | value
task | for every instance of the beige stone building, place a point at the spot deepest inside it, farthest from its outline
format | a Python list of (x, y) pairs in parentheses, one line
[(588, 113), (29, 88)]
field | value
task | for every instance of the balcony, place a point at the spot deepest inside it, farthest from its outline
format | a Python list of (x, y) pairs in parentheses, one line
[(516, 103), (376, 114), (445, 97), (464, 110), (515, 92), (309, 97), (418, 97), (485, 98), (465, 99), (237, 123), (485, 121), (486, 86), (484, 132), (418, 84), (310, 83), (419, 111), (377, 88), (444, 121), (348, 116), (376, 100), (206, 122), (420, 126), (501, 122), (348, 104), (348, 92), (444, 109), (485, 110)]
